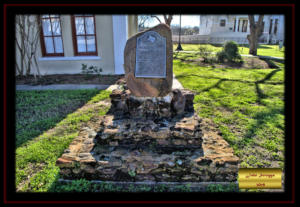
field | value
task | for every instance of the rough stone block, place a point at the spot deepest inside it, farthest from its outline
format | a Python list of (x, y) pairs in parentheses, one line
[(149, 87)]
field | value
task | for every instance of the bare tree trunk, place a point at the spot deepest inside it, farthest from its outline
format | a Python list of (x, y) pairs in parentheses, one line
[(20, 44), (37, 67), (253, 44), (27, 38), (255, 32), (35, 44), (168, 19), (18, 68)]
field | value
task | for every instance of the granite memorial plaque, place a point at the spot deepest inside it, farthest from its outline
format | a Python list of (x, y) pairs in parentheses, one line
[(150, 56)]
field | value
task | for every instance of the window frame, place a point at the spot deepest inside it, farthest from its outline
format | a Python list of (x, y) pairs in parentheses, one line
[(234, 24), (275, 26), (74, 37), (244, 25), (42, 37)]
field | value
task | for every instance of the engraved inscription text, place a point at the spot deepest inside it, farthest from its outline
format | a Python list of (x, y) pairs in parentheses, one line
[(150, 56)]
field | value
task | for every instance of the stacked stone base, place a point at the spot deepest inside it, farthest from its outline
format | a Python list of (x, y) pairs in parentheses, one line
[(179, 147)]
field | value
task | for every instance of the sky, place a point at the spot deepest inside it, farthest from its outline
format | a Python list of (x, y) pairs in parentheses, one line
[(186, 20)]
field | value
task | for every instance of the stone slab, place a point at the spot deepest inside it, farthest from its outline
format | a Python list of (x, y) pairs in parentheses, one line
[(149, 87), (135, 150)]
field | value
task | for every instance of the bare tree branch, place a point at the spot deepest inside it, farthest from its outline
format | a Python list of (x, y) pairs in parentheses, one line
[(27, 38), (156, 17)]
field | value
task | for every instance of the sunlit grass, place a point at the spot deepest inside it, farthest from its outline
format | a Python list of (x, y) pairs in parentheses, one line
[(35, 159), (246, 105), (264, 50)]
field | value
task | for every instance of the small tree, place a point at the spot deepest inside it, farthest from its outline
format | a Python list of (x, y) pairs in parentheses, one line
[(206, 53), (27, 38), (256, 29)]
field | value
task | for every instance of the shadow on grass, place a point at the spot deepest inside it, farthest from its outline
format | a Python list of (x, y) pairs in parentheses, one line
[(259, 91), (259, 46), (32, 120), (184, 57), (270, 61), (262, 118)]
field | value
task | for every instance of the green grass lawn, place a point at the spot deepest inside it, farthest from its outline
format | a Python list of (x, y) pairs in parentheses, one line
[(37, 111), (246, 104), (195, 47), (35, 158), (264, 50)]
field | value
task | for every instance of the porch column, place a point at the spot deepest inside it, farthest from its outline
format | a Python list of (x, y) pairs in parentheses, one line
[(120, 35), (236, 24)]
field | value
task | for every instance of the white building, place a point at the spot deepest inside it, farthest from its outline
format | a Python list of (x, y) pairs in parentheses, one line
[(236, 27), (68, 41), (216, 29)]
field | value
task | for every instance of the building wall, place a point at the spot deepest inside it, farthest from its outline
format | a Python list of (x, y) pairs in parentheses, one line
[(106, 46), (132, 25), (206, 22)]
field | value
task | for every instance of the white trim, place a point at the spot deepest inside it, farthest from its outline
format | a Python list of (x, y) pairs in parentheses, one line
[(120, 35), (236, 24), (70, 58)]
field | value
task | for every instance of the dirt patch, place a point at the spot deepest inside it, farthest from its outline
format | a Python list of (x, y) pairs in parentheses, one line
[(255, 63), (249, 63), (69, 79)]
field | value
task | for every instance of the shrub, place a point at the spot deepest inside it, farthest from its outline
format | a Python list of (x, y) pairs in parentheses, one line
[(221, 56), (206, 53), (230, 53), (91, 70)]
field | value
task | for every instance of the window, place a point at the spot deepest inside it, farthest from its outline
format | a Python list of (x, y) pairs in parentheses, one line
[(271, 24), (234, 25), (222, 23), (51, 38), (245, 24), (84, 34), (275, 26)]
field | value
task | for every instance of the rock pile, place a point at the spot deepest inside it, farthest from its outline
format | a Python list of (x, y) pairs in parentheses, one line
[(135, 144), (176, 103)]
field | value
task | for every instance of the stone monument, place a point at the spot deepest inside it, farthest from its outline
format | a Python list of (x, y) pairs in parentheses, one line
[(151, 132), (148, 59)]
